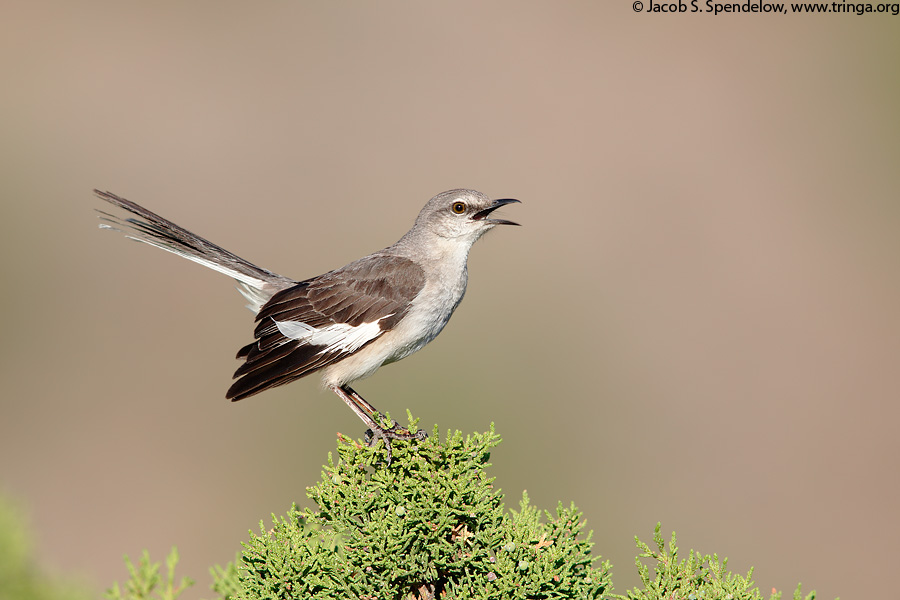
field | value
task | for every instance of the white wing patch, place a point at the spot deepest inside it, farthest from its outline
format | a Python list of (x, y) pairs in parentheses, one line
[(337, 337)]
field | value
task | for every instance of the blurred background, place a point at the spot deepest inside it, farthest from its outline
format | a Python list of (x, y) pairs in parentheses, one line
[(698, 323)]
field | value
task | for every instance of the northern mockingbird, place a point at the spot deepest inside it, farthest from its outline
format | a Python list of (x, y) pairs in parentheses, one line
[(350, 321)]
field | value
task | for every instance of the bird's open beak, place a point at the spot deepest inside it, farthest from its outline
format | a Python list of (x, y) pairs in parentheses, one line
[(482, 215)]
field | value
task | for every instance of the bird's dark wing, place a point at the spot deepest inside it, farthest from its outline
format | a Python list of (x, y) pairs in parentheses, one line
[(325, 319)]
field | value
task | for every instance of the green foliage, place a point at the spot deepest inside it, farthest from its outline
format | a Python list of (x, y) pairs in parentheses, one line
[(429, 525), (144, 581), (432, 525), (226, 581), (20, 578), (696, 577)]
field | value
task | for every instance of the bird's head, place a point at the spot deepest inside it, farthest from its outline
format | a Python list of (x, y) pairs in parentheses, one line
[(461, 214)]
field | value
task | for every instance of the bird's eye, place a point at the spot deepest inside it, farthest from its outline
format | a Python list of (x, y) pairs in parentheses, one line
[(458, 207)]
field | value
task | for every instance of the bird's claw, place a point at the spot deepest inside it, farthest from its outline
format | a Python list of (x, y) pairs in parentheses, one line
[(394, 432)]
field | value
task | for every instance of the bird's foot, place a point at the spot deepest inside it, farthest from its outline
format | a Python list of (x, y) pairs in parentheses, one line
[(394, 432)]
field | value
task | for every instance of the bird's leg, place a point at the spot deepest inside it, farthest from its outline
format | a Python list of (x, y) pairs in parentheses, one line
[(395, 431), (366, 412), (363, 403), (376, 414)]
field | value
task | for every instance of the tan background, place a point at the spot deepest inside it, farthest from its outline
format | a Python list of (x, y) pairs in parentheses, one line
[(698, 323)]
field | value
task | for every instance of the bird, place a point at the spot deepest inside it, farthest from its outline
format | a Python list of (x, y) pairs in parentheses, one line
[(347, 323)]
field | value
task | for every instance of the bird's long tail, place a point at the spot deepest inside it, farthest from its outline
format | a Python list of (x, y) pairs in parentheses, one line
[(256, 284)]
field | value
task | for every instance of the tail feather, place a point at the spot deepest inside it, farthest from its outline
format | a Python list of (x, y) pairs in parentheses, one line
[(256, 284)]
